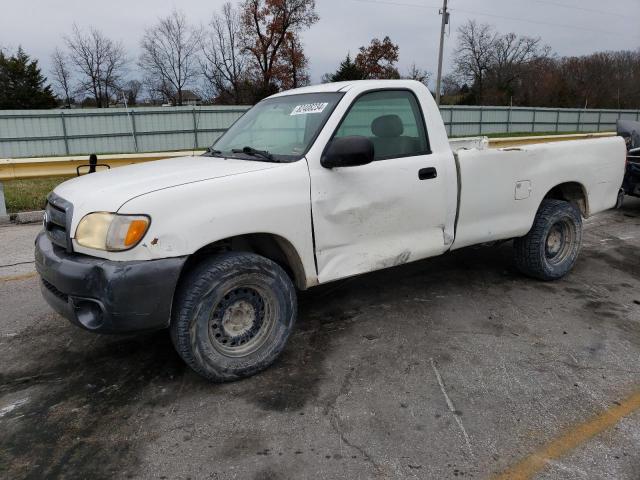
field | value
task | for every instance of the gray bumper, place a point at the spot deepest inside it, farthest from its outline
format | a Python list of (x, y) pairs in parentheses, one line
[(106, 296)]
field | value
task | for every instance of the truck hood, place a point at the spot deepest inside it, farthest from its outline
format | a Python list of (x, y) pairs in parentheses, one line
[(109, 190)]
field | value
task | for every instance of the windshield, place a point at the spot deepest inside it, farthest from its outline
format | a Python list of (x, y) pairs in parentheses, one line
[(278, 129)]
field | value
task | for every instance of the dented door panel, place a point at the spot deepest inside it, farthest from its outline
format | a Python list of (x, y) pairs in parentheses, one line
[(376, 216)]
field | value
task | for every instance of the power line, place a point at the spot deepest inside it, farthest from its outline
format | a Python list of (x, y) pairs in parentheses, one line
[(536, 22), (399, 4), (572, 7), (515, 19)]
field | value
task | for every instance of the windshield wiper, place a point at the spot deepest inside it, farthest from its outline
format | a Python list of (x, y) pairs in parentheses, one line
[(255, 153), (212, 152)]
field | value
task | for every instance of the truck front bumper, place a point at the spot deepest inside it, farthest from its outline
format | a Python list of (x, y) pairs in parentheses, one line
[(105, 296)]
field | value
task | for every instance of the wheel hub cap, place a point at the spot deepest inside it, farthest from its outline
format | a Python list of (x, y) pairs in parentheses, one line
[(238, 318), (554, 242), (237, 321)]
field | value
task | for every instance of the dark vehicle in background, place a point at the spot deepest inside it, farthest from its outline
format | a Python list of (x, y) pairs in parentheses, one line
[(630, 131)]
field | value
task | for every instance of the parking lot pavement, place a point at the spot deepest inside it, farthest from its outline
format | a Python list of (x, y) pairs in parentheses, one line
[(16, 249), (453, 367)]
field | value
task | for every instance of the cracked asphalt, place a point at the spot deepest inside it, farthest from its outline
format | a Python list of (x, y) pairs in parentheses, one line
[(452, 367)]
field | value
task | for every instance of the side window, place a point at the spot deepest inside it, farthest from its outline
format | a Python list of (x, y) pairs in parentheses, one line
[(391, 119)]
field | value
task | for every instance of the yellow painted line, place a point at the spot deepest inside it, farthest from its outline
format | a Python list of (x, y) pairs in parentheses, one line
[(24, 276), (572, 438)]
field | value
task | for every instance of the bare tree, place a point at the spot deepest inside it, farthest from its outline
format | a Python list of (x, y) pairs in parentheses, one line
[(100, 63), (418, 74), (510, 55), (154, 91), (474, 54), (224, 62), (131, 91), (451, 85), (170, 55), (61, 75)]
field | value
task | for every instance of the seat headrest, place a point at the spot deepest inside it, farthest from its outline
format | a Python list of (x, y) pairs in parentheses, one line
[(387, 126)]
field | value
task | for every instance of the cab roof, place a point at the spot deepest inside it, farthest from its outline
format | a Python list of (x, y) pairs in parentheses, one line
[(345, 86)]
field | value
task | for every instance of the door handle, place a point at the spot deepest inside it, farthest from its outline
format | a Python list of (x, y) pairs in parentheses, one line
[(427, 173)]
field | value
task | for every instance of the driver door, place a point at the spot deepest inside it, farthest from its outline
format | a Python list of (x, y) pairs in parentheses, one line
[(390, 211)]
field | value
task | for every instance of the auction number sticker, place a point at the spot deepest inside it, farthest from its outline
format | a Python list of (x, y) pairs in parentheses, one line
[(309, 108)]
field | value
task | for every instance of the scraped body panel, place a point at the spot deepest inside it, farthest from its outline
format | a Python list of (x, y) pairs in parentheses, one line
[(491, 208)]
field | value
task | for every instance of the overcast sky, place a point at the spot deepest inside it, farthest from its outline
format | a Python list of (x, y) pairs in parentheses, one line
[(570, 27)]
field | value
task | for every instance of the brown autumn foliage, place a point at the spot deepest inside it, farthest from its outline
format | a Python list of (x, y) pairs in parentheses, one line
[(378, 59), (599, 80), (272, 41), (292, 69)]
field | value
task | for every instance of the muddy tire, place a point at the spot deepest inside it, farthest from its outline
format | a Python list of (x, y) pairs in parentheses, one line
[(232, 315), (620, 199), (550, 249)]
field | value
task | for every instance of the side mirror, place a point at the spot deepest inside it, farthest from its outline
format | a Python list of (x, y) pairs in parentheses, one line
[(347, 152)]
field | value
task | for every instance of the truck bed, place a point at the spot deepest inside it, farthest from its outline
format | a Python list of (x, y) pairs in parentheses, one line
[(500, 190), (467, 143)]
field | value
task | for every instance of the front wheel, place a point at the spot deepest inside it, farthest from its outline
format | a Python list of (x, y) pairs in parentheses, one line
[(551, 247), (232, 315)]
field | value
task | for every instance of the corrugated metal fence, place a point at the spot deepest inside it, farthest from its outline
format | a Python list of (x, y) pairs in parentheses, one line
[(41, 133), (35, 133), (465, 121)]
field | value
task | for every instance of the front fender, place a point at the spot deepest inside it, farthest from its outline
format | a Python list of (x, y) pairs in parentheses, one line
[(188, 217)]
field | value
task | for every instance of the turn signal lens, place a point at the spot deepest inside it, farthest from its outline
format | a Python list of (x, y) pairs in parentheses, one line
[(137, 229), (126, 231), (110, 231)]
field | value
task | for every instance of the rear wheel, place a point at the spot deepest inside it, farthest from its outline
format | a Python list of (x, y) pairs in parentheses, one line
[(551, 247), (232, 315)]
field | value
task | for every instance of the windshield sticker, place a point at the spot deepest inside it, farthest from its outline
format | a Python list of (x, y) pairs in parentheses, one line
[(309, 108)]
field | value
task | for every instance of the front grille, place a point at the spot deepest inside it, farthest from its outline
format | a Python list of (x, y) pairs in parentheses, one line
[(57, 221), (55, 291)]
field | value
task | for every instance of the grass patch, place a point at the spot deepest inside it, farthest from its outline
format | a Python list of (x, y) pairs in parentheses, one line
[(30, 194)]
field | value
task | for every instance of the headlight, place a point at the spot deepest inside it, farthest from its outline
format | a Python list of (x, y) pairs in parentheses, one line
[(110, 231)]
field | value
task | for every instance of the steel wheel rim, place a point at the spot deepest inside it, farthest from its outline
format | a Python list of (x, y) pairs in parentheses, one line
[(559, 242), (241, 321)]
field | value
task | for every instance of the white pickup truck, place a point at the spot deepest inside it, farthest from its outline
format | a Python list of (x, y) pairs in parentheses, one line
[(310, 186)]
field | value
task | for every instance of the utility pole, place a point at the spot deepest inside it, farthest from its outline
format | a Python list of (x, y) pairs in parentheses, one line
[(445, 21)]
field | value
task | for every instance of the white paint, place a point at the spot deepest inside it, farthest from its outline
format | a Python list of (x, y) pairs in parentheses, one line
[(379, 215), (488, 208), (12, 406), (452, 409), (364, 218), (523, 189)]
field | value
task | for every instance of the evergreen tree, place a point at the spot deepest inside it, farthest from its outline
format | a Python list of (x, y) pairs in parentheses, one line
[(22, 85), (347, 70)]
